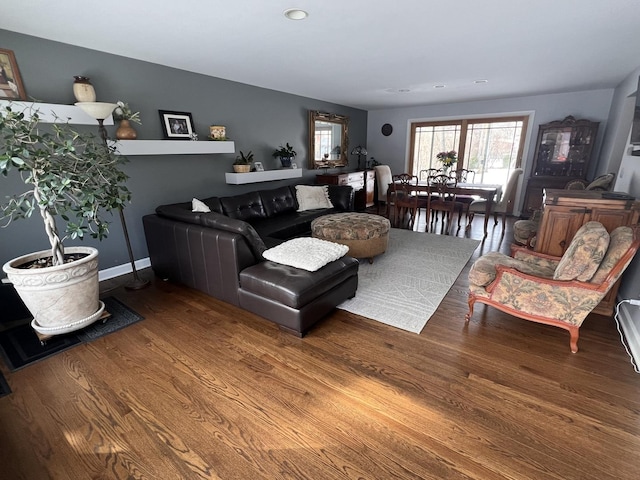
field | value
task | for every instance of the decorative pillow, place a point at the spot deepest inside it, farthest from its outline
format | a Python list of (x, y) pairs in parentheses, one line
[(312, 197), (306, 253), (585, 253), (199, 206), (603, 182)]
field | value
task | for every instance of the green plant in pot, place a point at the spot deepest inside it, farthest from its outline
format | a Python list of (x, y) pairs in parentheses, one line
[(286, 155), (243, 162), (73, 179)]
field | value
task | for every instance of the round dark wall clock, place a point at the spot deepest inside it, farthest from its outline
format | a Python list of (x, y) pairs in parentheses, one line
[(387, 129)]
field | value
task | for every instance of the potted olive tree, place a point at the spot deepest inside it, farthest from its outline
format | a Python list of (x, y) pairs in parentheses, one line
[(73, 179)]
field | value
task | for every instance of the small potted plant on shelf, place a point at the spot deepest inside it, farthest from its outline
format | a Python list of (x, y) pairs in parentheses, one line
[(286, 155), (73, 179), (243, 162), (125, 116)]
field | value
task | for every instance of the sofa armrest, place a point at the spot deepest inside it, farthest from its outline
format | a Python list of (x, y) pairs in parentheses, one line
[(342, 197)]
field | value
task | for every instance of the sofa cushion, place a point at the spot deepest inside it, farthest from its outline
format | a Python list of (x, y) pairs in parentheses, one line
[(584, 254), (307, 253), (222, 222), (619, 243), (312, 197), (292, 286), (246, 206), (278, 201)]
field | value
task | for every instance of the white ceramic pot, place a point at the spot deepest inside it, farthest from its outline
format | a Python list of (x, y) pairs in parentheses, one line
[(61, 298)]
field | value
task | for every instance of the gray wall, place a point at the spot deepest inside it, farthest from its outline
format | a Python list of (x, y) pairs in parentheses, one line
[(257, 119), (394, 150)]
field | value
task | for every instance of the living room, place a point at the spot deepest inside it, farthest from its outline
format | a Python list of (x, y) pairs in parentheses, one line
[(261, 119)]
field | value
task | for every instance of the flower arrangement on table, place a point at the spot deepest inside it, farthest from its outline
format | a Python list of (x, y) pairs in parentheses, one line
[(448, 159), (124, 112)]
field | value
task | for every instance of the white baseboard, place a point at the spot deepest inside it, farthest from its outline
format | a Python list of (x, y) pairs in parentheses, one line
[(123, 269), (629, 319)]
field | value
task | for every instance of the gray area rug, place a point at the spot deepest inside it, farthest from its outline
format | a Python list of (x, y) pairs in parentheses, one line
[(404, 286)]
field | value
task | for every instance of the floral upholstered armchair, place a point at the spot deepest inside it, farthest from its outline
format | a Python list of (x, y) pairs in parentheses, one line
[(559, 291)]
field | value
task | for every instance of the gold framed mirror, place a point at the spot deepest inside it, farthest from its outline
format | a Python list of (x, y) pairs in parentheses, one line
[(328, 140)]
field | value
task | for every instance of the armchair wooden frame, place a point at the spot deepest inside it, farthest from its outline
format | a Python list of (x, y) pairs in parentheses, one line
[(573, 287)]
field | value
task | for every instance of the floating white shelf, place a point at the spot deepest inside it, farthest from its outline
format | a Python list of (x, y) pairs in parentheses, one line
[(57, 113), (171, 147), (266, 176)]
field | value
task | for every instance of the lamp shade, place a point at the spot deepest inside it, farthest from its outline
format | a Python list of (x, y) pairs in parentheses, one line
[(97, 110), (359, 151)]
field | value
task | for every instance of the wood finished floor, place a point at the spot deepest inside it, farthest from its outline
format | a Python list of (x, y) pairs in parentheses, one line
[(201, 389)]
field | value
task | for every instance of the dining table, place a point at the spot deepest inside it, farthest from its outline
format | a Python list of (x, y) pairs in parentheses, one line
[(490, 192)]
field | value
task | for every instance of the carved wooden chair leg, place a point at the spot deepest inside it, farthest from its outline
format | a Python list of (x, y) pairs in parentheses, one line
[(471, 301), (573, 341)]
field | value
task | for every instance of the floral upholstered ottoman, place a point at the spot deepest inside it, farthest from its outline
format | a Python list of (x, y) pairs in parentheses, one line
[(366, 235)]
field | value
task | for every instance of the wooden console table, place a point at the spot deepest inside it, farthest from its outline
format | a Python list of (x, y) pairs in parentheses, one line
[(565, 211)]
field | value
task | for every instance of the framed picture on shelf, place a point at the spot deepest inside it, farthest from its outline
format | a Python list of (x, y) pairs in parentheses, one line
[(294, 165), (176, 125), (258, 166), (11, 87)]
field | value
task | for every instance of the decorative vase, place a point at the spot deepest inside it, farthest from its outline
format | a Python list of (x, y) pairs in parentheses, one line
[(125, 131), (62, 298), (83, 90)]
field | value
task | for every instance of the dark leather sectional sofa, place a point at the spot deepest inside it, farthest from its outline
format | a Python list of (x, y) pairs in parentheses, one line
[(220, 253)]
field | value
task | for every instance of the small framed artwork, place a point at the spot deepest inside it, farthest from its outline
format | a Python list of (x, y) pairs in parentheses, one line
[(176, 125), (258, 166), (11, 87), (294, 165)]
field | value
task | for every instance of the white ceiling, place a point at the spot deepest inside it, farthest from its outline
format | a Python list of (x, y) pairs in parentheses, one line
[(361, 53)]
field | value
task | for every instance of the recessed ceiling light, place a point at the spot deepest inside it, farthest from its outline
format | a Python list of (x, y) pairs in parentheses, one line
[(403, 90), (439, 86), (481, 81), (295, 14)]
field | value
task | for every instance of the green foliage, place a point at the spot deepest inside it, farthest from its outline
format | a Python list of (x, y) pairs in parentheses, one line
[(286, 151), (243, 159), (70, 175)]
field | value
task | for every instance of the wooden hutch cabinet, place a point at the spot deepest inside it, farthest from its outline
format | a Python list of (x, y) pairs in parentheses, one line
[(563, 153), (362, 182), (565, 211)]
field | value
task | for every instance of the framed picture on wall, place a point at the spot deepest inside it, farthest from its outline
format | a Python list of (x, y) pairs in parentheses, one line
[(176, 125), (11, 87)]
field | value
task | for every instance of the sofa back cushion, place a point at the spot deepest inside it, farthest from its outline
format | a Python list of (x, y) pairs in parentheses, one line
[(222, 222), (246, 206), (619, 244), (278, 200), (585, 253)]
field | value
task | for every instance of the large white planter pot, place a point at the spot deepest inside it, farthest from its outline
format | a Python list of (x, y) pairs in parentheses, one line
[(63, 298)]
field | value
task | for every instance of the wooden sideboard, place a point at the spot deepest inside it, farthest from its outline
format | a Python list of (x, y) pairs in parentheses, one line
[(565, 211), (363, 184)]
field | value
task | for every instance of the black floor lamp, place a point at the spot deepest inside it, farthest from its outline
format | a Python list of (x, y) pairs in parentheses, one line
[(100, 111)]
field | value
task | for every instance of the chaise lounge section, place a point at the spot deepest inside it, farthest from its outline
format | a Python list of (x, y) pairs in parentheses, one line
[(220, 253)]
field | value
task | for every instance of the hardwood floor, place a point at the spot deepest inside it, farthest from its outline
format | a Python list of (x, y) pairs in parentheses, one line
[(201, 389)]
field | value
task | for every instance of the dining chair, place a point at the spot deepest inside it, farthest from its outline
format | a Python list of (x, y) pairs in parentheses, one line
[(504, 205), (383, 179), (405, 202), (464, 175), (424, 175), (440, 198)]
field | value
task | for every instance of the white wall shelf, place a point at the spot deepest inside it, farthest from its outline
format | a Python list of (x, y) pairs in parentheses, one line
[(49, 111), (266, 176), (172, 147)]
